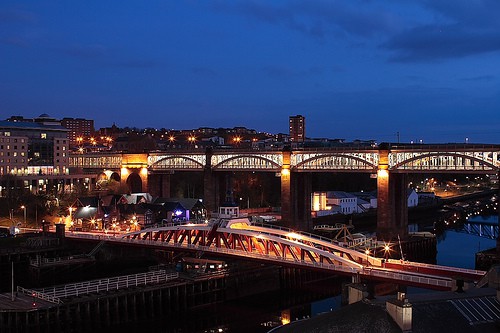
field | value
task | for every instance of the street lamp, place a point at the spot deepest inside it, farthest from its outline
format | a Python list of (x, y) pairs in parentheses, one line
[(23, 207), (192, 139), (387, 249), (70, 213), (367, 251)]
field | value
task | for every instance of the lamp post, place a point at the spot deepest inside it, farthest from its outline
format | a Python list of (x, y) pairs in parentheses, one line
[(134, 222), (387, 249), (367, 251), (70, 213), (23, 207)]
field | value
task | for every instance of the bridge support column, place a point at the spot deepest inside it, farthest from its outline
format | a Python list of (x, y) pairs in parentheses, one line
[(300, 197), (165, 186), (210, 188), (286, 212), (138, 164), (155, 185), (392, 202), (159, 185), (210, 192), (144, 178)]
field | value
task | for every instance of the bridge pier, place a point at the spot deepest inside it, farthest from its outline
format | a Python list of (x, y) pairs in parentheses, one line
[(392, 201), (210, 192), (286, 194), (300, 201), (159, 185)]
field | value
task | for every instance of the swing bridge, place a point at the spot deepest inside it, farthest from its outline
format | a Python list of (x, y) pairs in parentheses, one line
[(238, 238)]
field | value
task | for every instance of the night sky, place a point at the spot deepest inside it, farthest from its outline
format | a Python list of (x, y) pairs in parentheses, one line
[(356, 69)]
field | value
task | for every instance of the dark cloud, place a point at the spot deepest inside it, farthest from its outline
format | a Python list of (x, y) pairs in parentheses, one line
[(16, 16), (433, 43), (16, 27), (103, 56), (473, 13), (459, 28), (318, 18)]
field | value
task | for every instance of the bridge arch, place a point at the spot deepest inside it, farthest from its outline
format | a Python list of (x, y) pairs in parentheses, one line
[(134, 182), (335, 162), (441, 161), (176, 162), (115, 176), (252, 162), (103, 178)]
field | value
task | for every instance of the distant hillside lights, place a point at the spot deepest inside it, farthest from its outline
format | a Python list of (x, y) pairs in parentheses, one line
[(91, 143)]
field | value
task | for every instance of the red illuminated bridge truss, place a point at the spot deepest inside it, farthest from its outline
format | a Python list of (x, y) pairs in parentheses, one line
[(285, 247)]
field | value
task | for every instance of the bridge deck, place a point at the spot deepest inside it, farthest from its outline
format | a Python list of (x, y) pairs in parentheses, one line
[(285, 247)]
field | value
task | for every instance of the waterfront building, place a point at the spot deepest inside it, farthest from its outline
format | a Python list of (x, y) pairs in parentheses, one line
[(38, 147), (342, 202), (34, 157), (412, 197)]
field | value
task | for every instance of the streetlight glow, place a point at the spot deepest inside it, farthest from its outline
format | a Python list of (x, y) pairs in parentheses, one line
[(23, 207)]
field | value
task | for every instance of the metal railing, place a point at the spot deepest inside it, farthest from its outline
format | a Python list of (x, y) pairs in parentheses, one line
[(38, 261), (39, 295), (108, 284), (437, 267), (411, 277)]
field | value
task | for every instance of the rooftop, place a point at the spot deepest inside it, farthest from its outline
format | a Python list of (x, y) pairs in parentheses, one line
[(476, 310)]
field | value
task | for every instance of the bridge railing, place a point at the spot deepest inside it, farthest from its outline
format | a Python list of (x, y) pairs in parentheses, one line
[(438, 267), (38, 261), (303, 233), (104, 285), (445, 146), (415, 278)]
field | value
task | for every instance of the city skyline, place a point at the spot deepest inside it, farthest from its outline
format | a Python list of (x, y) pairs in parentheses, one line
[(412, 70)]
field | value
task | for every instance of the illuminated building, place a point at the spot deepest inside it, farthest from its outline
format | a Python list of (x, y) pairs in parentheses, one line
[(38, 147), (297, 128), (78, 128)]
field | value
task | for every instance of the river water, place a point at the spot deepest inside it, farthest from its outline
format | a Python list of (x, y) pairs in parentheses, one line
[(458, 249)]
